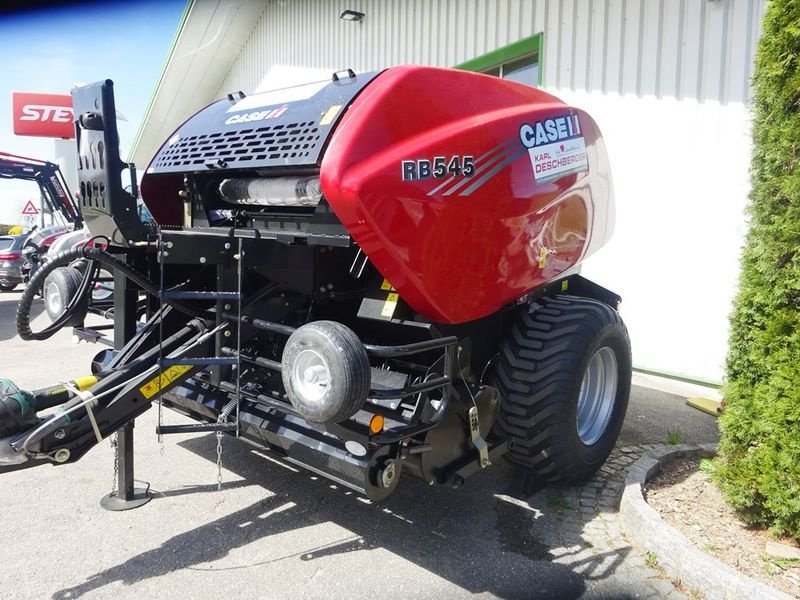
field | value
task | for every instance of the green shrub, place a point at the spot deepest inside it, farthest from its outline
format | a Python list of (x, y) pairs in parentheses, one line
[(759, 463)]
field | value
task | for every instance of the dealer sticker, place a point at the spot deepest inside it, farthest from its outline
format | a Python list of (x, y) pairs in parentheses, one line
[(555, 146)]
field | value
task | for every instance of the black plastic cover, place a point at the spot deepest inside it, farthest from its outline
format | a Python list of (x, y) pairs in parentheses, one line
[(281, 128), (107, 208)]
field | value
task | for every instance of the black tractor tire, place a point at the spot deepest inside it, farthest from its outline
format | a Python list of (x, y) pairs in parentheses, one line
[(540, 376), (105, 292), (58, 289), (7, 287), (341, 388)]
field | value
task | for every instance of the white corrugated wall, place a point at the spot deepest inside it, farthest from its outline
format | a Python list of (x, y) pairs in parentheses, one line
[(696, 49), (668, 83)]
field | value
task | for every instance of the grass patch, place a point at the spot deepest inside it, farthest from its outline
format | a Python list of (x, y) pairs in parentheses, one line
[(558, 504), (784, 563), (712, 548), (707, 466), (674, 437)]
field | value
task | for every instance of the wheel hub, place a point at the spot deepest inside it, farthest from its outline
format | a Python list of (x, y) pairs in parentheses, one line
[(597, 395), (311, 375), (53, 299)]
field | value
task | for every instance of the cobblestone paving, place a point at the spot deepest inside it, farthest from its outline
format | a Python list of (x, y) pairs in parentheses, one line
[(580, 526)]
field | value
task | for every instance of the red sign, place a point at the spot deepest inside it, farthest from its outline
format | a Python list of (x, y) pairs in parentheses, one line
[(43, 115), (30, 209)]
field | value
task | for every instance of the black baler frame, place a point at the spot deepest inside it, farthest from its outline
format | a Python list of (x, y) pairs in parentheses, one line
[(196, 380), (270, 422)]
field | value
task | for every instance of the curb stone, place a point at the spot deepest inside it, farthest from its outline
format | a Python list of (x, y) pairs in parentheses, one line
[(588, 537), (679, 558)]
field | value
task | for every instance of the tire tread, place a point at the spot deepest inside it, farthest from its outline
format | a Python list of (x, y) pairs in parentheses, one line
[(536, 377)]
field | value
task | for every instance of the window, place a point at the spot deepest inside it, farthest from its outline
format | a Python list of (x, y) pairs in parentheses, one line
[(520, 61)]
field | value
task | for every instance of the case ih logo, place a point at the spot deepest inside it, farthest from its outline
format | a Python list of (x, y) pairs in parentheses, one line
[(43, 115)]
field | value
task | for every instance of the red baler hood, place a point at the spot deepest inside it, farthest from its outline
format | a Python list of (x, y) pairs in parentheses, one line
[(465, 191)]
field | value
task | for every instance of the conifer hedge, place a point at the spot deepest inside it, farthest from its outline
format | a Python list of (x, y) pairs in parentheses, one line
[(759, 459)]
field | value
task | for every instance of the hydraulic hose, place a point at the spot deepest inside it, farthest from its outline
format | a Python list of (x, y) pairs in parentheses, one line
[(191, 335), (64, 258)]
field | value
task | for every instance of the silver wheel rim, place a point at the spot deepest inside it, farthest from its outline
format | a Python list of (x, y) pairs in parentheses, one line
[(53, 299), (102, 290), (311, 376), (597, 396)]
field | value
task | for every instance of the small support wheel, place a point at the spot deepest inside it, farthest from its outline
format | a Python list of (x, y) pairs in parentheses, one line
[(326, 372), (564, 376)]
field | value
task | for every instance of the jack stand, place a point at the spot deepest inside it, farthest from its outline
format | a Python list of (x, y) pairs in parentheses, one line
[(127, 495)]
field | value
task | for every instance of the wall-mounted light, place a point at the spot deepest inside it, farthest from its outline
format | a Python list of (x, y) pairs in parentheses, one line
[(352, 15)]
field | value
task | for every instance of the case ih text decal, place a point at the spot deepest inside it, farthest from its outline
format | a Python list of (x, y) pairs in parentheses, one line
[(259, 115), (555, 147)]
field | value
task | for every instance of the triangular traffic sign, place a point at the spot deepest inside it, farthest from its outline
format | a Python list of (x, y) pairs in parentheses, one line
[(30, 209)]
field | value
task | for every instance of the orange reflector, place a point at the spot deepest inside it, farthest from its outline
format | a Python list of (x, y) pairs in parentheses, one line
[(376, 424)]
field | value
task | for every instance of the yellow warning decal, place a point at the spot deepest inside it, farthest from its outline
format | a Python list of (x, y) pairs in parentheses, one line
[(328, 117), (565, 285), (152, 387), (386, 286), (543, 254), (390, 305)]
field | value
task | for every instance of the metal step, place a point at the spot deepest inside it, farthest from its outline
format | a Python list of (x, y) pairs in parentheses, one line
[(195, 428)]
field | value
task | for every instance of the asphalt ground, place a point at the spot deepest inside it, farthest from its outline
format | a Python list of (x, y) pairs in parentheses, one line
[(278, 532)]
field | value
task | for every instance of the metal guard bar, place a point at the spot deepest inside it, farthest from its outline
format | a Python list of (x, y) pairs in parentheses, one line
[(417, 388), (375, 394), (407, 349), (379, 351), (400, 433), (387, 437)]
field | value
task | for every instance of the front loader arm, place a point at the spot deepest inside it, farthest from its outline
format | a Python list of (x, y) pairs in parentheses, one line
[(121, 394), (48, 177)]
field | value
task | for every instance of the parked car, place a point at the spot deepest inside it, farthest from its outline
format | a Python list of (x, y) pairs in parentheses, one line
[(11, 261), (21, 255)]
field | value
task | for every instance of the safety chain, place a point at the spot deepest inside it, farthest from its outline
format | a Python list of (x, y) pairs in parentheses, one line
[(223, 416), (114, 444), (219, 461)]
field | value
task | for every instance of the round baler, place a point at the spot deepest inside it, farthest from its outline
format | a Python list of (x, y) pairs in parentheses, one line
[(388, 264)]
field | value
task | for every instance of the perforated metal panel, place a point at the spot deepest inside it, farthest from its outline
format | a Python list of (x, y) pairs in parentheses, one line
[(246, 133), (240, 148)]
